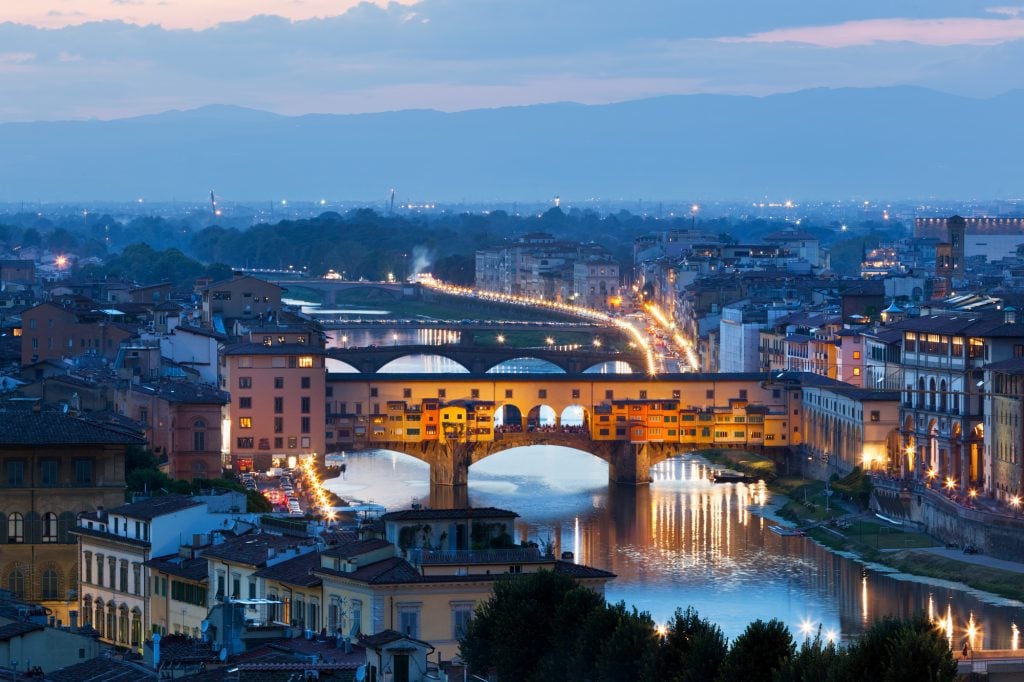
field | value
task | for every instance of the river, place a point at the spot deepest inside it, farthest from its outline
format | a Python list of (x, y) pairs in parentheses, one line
[(683, 541)]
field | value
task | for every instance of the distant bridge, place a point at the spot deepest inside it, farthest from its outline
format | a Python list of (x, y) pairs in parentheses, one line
[(330, 288), (480, 359), (375, 324)]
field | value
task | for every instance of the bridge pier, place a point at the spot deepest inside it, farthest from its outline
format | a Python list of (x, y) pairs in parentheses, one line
[(449, 496), (449, 464), (630, 463)]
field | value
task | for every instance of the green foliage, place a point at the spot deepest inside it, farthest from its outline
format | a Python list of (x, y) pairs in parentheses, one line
[(758, 653), (693, 649), (896, 650), (816, 660), (856, 485)]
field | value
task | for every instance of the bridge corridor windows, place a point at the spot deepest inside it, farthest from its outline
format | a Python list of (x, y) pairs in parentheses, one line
[(526, 365), (423, 364), (541, 418), (574, 418), (508, 418)]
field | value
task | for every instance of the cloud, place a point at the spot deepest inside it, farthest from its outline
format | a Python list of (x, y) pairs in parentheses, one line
[(939, 32)]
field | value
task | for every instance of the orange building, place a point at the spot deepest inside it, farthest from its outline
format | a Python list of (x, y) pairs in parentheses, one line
[(51, 332), (277, 410)]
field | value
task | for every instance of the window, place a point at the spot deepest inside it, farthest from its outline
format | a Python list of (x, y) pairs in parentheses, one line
[(278, 443), (280, 362), (99, 569), (508, 393), (575, 394), (462, 613), (409, 620), (245, 443), (15, 528), (15, 472), (83, 472), (542, 393), (49, 527), (48, 469), (643, 395), (709, 394), (875, 415), (236, 586), (278, 425), (198, 439), (137, 578), (245, 403), (268, 340), (609, 394), (373, 392), (278, 382), (245, 422), (278, 405), (245, 382), (252, 589), (856, 355), (293, 442), (856, 371), (122, 576), (306, 361), (441, 393), (87, 567), (305, 405), (305, 425), (474, 393), (16, 583), (356, 617), (305, 382)]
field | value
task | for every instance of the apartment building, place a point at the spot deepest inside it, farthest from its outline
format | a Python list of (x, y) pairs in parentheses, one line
[(55, 467), (277, 413), (51, 332)]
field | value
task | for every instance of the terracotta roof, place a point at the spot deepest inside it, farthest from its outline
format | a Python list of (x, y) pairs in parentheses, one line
[(55, 428), (200, 331), (580, 571), (189, 569), (385, 637), (155, 506), (17, 629), (252, 549), (297, 571), (185, 392), (101, 670), (277, 349), (439, 514), (357, 547)]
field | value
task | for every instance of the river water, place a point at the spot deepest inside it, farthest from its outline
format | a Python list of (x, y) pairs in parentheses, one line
[(683, 541)]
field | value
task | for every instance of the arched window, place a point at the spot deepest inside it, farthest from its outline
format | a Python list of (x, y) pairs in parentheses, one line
[(199, 435), (920, 393), (943, 396), (99, 620), (87, 611), (16, 528), (49, 585), (931, 392), (16, 583), (49, 527)]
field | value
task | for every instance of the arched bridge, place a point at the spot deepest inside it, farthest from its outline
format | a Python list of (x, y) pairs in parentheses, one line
[(330, 288), (480, 359), (450, 461)]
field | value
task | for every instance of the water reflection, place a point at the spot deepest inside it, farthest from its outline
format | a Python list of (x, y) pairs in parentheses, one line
[(686, 541)]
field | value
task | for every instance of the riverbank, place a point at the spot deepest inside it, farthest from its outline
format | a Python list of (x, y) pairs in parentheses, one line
[(837, 523)]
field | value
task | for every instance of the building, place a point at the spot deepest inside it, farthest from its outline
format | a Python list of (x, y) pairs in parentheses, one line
[(427, 594), (194, 347), (942, 412), (240, 298), (1004, 430), (116, 544), (277, 412), (55, 467), (15, 274), (845, 427), (51, 332), (27, 645), (182, 424), (740, 338), (595, 282)]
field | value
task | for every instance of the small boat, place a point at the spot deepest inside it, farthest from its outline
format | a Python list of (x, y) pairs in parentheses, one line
[(785, 532), (730, 476)]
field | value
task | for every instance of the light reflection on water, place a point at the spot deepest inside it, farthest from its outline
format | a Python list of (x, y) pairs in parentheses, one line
[(684, 541)]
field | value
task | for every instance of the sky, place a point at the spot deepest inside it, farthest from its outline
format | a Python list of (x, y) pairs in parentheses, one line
[(81, 59)]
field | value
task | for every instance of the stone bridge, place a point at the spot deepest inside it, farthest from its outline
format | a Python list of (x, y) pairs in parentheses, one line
[(480, 359), (449, 462), (330, 288)]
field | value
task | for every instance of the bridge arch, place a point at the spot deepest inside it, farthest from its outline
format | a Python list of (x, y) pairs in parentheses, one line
[(508, 417), (610, 367), (335, 366), (423, 363), (541, 416), (574, 415), (526, 364)]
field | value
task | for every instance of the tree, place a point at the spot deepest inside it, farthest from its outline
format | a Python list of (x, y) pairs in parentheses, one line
[(516, 619), (892, 649), (632, 648), (816, 660), (693, 649), (759, 652)]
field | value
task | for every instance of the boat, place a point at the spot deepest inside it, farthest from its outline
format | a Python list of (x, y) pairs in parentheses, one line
[(785, 532), (730, 476)]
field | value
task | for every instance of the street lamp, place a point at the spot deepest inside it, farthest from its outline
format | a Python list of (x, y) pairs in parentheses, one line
[(950, 484), (550, 341), (1015, 503), (501, 338)]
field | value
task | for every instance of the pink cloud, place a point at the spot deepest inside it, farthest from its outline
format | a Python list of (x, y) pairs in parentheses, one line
[(937, 32)]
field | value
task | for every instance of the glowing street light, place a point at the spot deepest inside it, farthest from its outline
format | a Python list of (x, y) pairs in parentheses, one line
[(950, 483), (550, 341), (501, 338)]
